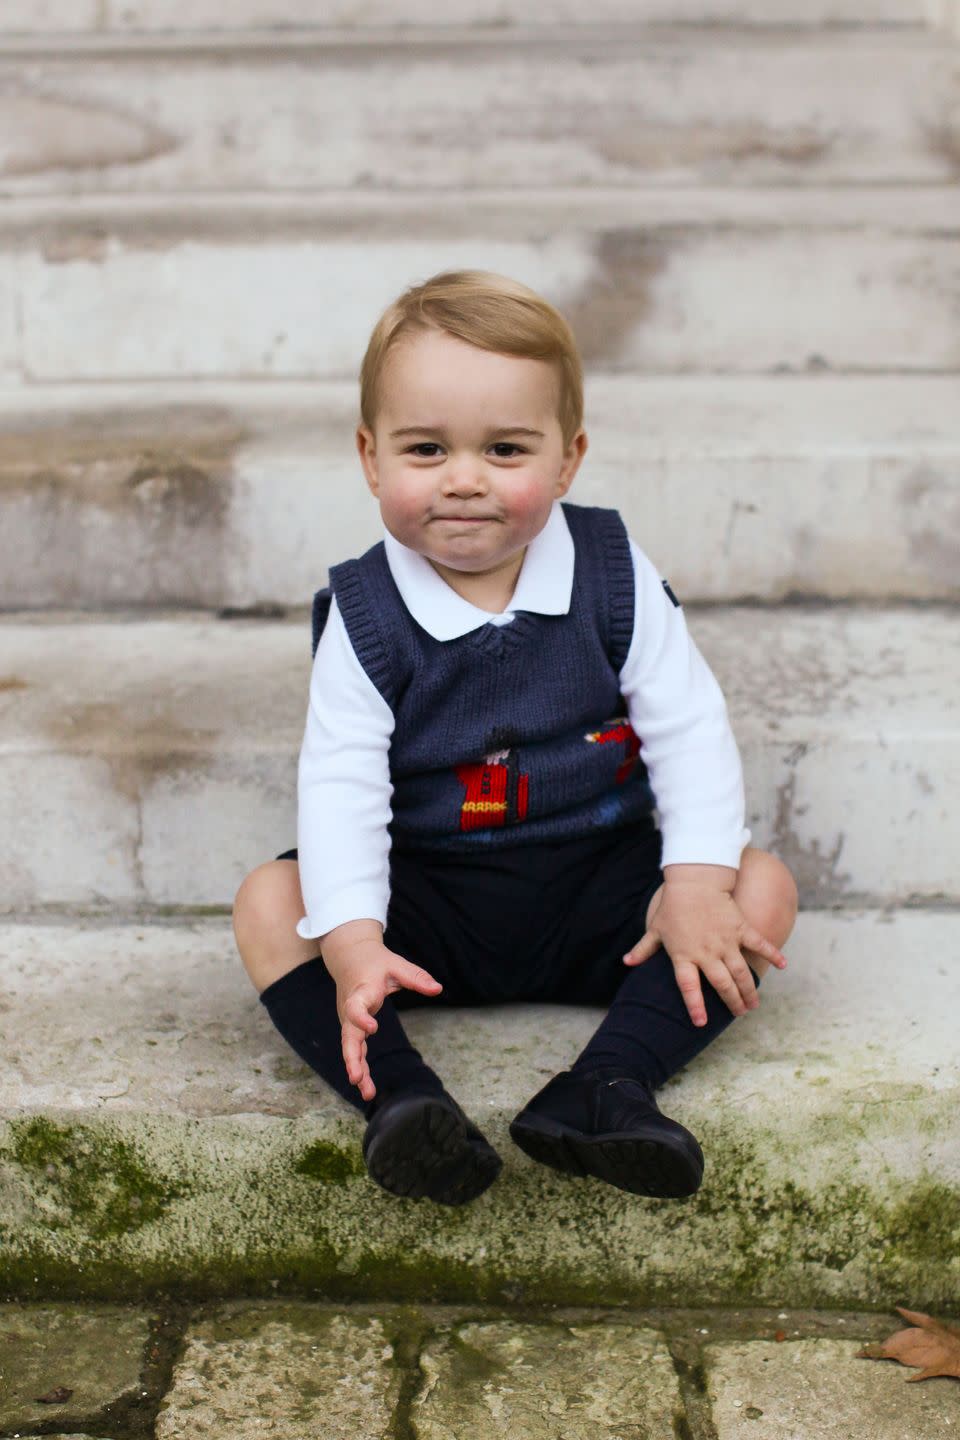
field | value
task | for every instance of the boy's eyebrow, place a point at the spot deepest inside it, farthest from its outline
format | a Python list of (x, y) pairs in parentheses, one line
[(437, 430)]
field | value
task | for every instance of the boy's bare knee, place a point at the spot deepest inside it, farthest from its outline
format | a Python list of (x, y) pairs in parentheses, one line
[(263, 893), (767, 894), (266, 909)]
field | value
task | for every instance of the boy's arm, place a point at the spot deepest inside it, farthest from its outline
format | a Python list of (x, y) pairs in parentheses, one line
[(677, 709), (343, 790), (343, 811)]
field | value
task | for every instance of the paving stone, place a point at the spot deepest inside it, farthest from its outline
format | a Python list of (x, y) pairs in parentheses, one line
[(818, 1390), (282, 1371), (547, 1382), (95, 1353)]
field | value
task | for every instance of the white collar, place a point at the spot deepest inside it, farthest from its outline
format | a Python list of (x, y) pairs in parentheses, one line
[(545, 583)]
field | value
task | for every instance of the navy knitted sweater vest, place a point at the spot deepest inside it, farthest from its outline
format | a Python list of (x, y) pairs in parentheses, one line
[(509, 734)]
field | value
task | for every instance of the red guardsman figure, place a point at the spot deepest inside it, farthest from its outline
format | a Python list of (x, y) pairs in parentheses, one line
[(614, 731), (498, 793)]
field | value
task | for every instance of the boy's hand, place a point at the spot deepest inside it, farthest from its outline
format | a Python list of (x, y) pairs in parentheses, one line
[(367, 972), (702, 928)]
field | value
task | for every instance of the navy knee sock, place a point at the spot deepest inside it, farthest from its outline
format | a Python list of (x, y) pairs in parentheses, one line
[(647, 1031), (303, 1006)]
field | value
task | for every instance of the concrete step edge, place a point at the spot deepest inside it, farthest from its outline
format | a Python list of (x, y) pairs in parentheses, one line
[(557, 36), (933, 209)]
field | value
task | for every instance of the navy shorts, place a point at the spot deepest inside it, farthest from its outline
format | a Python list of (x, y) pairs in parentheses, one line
[(550, 921)]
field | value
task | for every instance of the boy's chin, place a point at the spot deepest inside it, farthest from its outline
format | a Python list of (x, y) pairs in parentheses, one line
[(471, 564)]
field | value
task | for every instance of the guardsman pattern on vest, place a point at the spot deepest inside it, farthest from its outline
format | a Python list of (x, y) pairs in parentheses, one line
[(498, 794)]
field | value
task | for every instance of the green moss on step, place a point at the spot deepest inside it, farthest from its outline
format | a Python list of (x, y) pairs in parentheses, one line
[(330, 1163), (926, 1222), (90, 1178)]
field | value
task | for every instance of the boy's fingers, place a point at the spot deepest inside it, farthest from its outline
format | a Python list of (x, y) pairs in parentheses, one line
[(352, 1057), (355, 1060), (743, 979), (644, 949), (753, 940), (725, 985), (356, 1010), (688, 979), (413, 977)]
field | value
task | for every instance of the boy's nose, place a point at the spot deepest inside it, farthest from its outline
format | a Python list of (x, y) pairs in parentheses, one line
[(465, 480)]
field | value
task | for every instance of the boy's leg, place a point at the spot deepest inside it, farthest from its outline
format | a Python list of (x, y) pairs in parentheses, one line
[(300, 996), (418, 1142), (599, 1117), (648, 1031)]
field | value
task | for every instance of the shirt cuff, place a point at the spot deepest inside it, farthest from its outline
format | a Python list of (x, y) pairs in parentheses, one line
[(356, 904), (695, 848)]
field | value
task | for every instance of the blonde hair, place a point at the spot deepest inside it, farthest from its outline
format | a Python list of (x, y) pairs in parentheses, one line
[(490, 311)]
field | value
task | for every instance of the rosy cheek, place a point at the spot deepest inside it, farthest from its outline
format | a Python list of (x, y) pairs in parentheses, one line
[(527, 500)]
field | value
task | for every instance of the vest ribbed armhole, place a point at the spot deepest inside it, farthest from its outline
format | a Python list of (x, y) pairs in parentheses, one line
[(362, 626), (605, 573), (321, 611), (620, 586)]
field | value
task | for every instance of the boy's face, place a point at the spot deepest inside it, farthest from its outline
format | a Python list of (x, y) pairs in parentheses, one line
[(462, 484)]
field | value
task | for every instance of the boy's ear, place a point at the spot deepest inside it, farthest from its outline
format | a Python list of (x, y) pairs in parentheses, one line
[(571, 461), (366, 449)]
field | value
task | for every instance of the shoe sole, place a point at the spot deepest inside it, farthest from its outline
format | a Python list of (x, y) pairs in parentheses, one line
[(644, 1163), (423, 1151)]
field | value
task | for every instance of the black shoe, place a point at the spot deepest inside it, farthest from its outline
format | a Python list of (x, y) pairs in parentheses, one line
[(423, 1146), (607, 1124)]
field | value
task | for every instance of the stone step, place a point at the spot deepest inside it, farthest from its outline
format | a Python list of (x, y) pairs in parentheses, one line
[(156, 1132), (745, 282), (64, 17), (153, 763), (208, 494), (433, 111)]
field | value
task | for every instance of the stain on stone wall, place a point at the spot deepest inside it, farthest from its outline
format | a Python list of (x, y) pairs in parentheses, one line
[(930, 503), (643, 146), (53, 132), (92, 245), (120, 509), (619, 296), (943, 141), (816, 869)]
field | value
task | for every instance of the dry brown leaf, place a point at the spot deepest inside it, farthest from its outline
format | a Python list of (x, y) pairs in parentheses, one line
[(55, 1397), (929, 1345)]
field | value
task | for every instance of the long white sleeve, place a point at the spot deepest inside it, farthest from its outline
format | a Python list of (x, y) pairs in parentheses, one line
[(677, 709), (343, 790)]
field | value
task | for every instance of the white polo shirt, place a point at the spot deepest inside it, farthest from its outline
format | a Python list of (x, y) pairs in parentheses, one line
[(673, 702)]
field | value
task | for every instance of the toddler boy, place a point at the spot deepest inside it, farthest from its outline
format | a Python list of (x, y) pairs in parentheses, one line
[(503, 691)]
